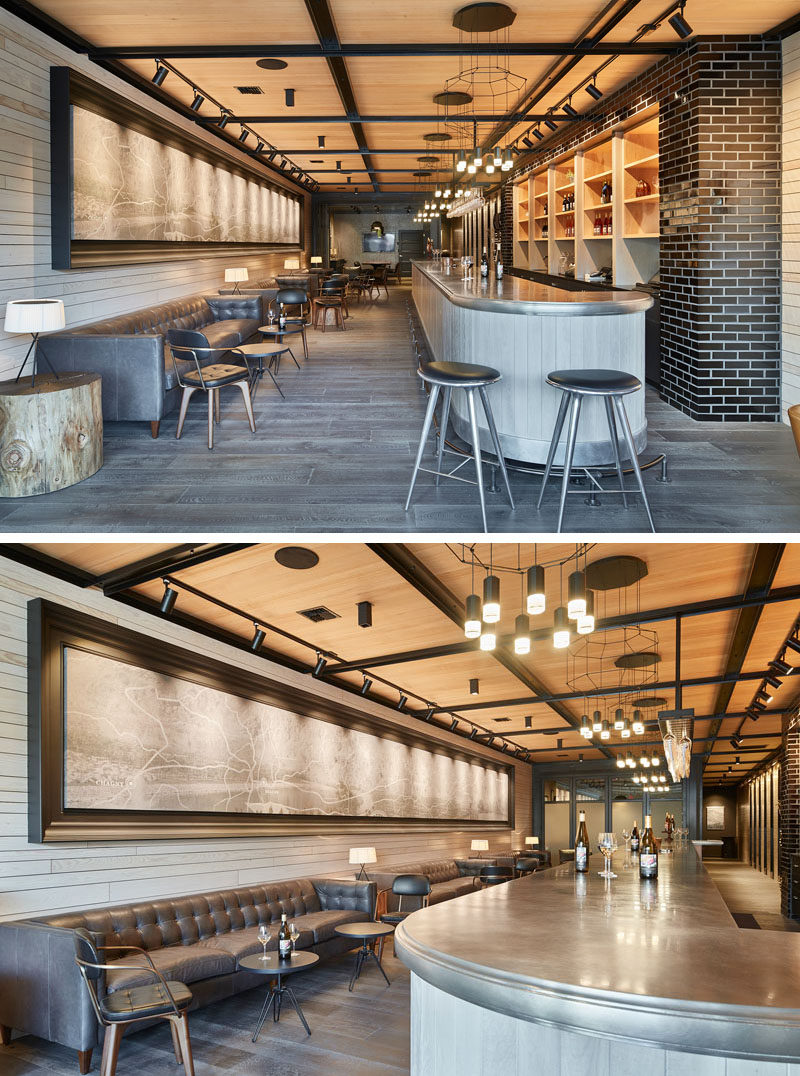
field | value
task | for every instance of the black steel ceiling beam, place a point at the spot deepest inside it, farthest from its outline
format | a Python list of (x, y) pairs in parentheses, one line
[(325, 28), (402, 561), (43, 562), (167, 562), (334, 49), (355, 117), (763, 569)]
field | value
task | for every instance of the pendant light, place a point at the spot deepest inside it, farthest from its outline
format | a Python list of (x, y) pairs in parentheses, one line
[(638, 724), (586, 727), (619, 720), (605, 731), (491, 599), (576, 595), (522, 634), (488, 640), (626, 729), (489, 168), (630, 761), (645, 761), (620, 762), (497, 157), (655, 760), (561, 632), (585, 625), (597, 721), (472, 620), (508, 160), (635, 779), (477, 158), (461, 163), (536, 601)]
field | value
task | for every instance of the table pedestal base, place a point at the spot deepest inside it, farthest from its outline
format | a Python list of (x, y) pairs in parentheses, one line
[(273, 1001), (361, 959)]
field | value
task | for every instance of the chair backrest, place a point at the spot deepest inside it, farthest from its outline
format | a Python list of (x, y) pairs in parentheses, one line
[(492, 874), (380, 272), (292, 296), (86, 952), (525, 863), (186, 338), (411, 885)]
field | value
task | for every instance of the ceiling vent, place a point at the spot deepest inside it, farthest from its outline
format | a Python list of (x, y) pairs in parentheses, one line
[(501, 720), (318, 614), (249, 89)]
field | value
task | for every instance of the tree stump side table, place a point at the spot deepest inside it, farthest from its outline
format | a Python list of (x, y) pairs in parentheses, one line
[(51, 434)]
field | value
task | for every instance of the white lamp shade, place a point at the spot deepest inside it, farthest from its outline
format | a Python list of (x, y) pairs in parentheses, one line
[(480, 846), (363, 855), (533, 841), (316, 260), (34, 316), (292, 263), (235, 276)]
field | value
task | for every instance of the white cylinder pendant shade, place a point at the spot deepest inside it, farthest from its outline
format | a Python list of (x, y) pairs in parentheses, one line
[(363, 855), (34, 316), (235, 276)]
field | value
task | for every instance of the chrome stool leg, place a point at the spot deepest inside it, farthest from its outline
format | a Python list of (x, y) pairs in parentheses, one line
[(562, 412), (572, 436), (626, 430), (476, 452), (425, 430), (445, 418), (496, 440), (612, 429)]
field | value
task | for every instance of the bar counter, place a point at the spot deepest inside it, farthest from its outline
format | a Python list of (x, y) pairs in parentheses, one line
[(576, 974), (525, 329)]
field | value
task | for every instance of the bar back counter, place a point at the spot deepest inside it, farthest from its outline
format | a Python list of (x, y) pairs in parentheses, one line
[(564, 973), (525, 329)]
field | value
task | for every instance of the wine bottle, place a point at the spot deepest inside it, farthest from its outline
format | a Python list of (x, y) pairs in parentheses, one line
[(582, 845), (635, 840), (648, 855), (284, 939), (484, 264), (498, 265)]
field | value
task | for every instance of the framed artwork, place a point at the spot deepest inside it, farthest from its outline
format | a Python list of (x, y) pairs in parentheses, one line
[(715, 817), (133, 738)]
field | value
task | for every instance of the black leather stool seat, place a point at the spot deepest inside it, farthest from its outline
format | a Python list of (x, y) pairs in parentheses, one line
[(220, 373), (594, 382), (144, 1000), (459, 374)]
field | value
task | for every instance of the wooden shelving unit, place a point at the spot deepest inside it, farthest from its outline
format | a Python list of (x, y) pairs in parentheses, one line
[(522, 224)]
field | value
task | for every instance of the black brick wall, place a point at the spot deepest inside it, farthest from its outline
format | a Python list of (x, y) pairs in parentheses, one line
[(719, 134), (789, 807)]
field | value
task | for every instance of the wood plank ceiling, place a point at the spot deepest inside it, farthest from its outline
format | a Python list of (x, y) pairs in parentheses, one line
[(354, 102), (417, 593)]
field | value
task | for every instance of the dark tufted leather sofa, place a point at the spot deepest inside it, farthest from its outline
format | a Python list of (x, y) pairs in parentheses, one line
[(195, 939), (446, 879), (130, 354)]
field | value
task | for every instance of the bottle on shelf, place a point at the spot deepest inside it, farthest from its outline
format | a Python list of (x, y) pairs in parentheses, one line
[(545, 230), (582, 845), (635, 840), (284, 940), (648, 853), (484, 264), (604, 192), (498, 264)]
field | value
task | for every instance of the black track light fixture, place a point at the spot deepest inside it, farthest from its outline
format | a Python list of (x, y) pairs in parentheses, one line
[(259, 146), (504, 748), (401, 702), (366, 686), (222, 122), (429, 713), (528, 143), (289, 97), (528, 722), (570, 111), (474, 686), (490, 740), (773, 681), (259, 635), (245, 134), (680, 25), (736, 742), (793, 644), (473, 734), (780, 667), (161, 73), (273, 153), (319, 668), (594, 92), (752, 714), (454, 724), (537, 133), (169, 599), (550, 125), (197, 101)]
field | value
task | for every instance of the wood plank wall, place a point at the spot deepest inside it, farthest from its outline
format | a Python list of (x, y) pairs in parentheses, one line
[(38, 878), (790, 255), (25, 60)]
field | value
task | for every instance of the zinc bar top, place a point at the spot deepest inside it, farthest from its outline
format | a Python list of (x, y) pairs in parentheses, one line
[(659, 965), (514, 295)]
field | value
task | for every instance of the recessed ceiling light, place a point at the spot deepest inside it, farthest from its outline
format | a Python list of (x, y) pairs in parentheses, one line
[(269, 63), (297, 557)]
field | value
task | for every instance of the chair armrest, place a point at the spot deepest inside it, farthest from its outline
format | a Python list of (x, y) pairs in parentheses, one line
[(335, 893), (153, 970)]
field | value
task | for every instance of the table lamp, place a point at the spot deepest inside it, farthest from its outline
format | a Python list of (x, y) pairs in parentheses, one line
[(480, 846), (316, 260), (532, 842), (291, 263), (34, 316), (362, 856), (234, 276)]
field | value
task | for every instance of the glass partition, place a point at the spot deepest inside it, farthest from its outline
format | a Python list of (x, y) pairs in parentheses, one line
[(626, 805), (556, 816), (590, 796)]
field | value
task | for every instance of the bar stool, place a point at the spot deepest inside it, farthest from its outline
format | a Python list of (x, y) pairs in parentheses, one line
[(468, 376), (612, 385)]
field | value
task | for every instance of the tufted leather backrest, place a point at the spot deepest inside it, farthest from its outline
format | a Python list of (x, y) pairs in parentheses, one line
[(184, 920), (231, 307), (193, 312)]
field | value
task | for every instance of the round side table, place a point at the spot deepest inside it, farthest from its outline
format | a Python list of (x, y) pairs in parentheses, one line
[(277, 968), (367, 932)]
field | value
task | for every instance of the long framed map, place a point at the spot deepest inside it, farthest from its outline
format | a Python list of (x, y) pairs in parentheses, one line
[(137, 738)]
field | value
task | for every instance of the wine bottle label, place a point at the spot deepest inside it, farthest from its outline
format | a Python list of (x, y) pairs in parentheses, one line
[(285, 948), (648, 865), (580, 858), (634, 844)]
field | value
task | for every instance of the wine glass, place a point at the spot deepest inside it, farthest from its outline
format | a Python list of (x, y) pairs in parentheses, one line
[(294, 934), (608, 846), (264, 935)]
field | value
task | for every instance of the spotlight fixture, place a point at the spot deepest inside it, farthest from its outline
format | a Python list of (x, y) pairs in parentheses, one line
[(429, 713), (474, 733), (273, 153), (244, 135), (780, 667), (527, 142), (561, 633), (793, 644), (773, 681), (490, 740), (535, 601), (605, 730), (593, 90), (472, 168), (597, 721), (488, 640), (258, 638), (537, 133), (197, 101), (491, 599), (619, 720), (472, 619), (522, 634), (366, 686), (580, 756), (489, 170), (550, 125), (752, 714), (289, 97), (169, 599), (364, 614), (473, 686), (222, 122), (259, 146), (454, 724), (320, 666), (680, 25), (160, 75), (586, 728), (321, 141), (504, 748), (401, 701), (765, 695), (570, 111), (736, 742)]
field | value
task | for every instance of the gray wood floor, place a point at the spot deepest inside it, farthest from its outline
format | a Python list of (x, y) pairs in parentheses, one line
[(751, 892), (336, 456), (365, 1033)]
